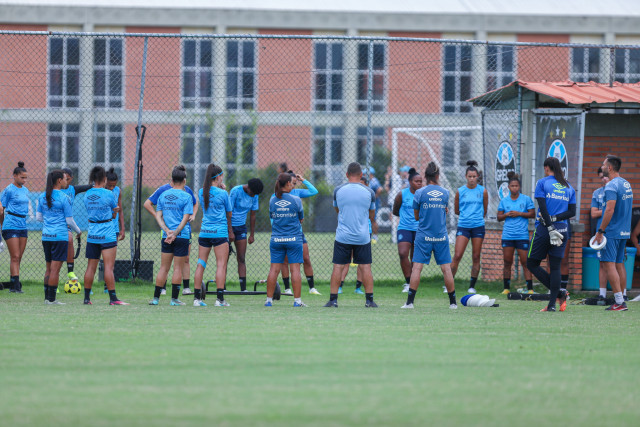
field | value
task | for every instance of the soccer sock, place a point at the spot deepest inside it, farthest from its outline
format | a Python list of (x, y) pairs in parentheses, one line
[(624, 292), (534, 267), (46, 292), (619, 298), (310, 282), (14, 282), (220, 294), (507, 283), (358, 284), (185, 283), (175, 291), (87, 294), (52, 293), (369, 296), (46, 283), (70, 267), (165, 285), (298, 300), (603, 292), (411, 296), (197, 294), (270, 300), (407, 279), (333, 297), (243, 283), (530, 285), (452, 297), (112, 295), (157, 292), (285, 280), (564, 281), (341, 283), (554, 280), (472, 282)]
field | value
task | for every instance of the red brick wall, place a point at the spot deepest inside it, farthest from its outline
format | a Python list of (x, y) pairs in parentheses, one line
[(23, 142), (291, 144), (543, 63)]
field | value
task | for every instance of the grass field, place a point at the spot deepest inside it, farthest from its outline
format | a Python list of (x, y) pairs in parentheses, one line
[(250, 365)]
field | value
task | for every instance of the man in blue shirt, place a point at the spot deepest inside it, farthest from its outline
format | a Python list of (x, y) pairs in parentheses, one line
[(355, 205), (598, 204), (375, 186), (616, 224)]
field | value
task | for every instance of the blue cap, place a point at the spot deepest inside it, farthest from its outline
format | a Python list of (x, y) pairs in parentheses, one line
[(405, 168)]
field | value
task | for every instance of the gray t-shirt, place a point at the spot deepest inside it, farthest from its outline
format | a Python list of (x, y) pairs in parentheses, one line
[(353, 201)]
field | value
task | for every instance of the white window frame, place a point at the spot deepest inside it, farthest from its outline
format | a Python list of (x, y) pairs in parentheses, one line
[(238, 134), (64, 68), (363, 74), (499, 74), (457, 73), (240, 70), (108, 68), (198, 69), (455, 139), (64, 134), (108, 134), (201, 134), (377, 138), (584, 75), (626, 76), (328, 102), (333, 172)]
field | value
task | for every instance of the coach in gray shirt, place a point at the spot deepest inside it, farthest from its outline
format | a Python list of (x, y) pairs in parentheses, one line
[(355, 205)]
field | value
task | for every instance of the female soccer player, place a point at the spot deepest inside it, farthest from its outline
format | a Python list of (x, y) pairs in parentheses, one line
[(471, 207), (244, 199), (406, 234), (175, 207), (302, 193), (515, 210), (15, 199), (287, 215), (102, 208), (430, 210), (556, 204), (72, 191), (216, 231), (54, 209)]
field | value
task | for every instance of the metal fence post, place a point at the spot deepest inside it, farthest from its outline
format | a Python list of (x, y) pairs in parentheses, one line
[(369, 103)]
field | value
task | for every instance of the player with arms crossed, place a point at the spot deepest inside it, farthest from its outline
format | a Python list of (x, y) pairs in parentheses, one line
[(430, 208), (556, 204), (616, 224)]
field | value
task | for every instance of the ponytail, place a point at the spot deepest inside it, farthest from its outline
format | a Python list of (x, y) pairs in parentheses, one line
[(432, 173), (282, 180), (213, 171), (554, 165), (19, 169), (52, 178), (97, 174)]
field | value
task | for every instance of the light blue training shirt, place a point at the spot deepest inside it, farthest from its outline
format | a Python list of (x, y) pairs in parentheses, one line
[(100, 204), (55, 217), (354, 201), (471, 205), (16, 200), (214, 218), (174, 205), (516, 228)]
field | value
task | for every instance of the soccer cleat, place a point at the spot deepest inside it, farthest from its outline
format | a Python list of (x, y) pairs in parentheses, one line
[(340, 290), (221, 303), (57, 290), (624, 298), (106, 291), (176, 301), (407, 306), (154, 301), (332, 304), (371, 304), (453, 306), (506, 292), (562, 300), (471, 290), (187, 291), (617, 307), (118, 302), (56, 302), (87, 302), (163, 292), (358, 291), (199, 303), (549, 309), (353, 264), (299, 304), (405, 288), (601, 300), (268, 304), (72, 276), (287, 291), (314, 291)]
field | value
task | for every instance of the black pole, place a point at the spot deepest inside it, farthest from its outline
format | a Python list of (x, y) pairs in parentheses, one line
[(138, 208)]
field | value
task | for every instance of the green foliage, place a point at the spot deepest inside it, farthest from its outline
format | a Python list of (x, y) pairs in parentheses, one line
[(148, 222)]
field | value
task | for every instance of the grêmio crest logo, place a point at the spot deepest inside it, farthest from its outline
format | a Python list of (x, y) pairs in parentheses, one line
[(505, 163), (559, 151)]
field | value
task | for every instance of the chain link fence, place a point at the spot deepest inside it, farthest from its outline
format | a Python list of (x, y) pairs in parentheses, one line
[(249, 103)]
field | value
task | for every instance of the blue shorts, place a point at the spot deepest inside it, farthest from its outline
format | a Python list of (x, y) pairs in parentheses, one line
[(541, 245), (10, 234), (613, 251), (179, 247), (207, 242), (304, 239), (55, 251), (291, 250), (94, 250), (518, 244), (406, 236), (471, 233), (344, 253), (439, 246), (240, 232)]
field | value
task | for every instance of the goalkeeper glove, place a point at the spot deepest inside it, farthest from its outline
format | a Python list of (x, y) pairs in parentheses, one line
[(555, 236)]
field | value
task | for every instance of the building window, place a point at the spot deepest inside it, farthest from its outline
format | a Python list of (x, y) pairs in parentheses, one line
[(241, 75), (329, 75), (326, 153), (63, 149), (240, 144), (379, 76), (456, 148), (108, 71), (197, 141), (197, 74), (64, 72), (585, 64), (108, 143), (456, 74), (378, 139), (501, 66), (627, 67)]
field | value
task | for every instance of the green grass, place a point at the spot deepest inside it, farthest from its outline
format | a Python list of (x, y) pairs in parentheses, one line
[(249, 365)]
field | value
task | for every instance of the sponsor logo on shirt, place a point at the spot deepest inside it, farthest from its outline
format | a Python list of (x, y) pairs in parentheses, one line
[(93, 197), (284, 239), (171, 197), (94, 237), (435, 239), (435, 193), (48, 235), (282, 203)]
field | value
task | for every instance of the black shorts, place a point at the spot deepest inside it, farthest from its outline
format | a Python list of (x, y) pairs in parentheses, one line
[(55, 251), (179, 247), (207, 242), (541, 245), (10, 234), (94, 250), (343, 252), (240, 232)]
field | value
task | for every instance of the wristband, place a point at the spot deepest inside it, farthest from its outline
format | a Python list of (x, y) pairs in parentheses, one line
[(601, 231)]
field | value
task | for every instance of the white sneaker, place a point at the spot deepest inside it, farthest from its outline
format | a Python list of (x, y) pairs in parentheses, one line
[(221, 303), (407, 306), (453, 306), (56, 302), (187, 291), (163, 292), (199, 303), (444, 290), (314, 291), (636, 299), (405, 289), (287, 292), (471, 290)]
